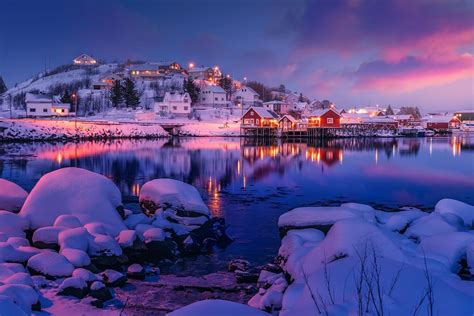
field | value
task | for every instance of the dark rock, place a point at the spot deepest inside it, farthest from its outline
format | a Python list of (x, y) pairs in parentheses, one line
[(162, 249), (102, 293), (36, 306), (271, 267), (114, 278), (104, 261), (137, 252), (121, 211), (246, 276), (238, 264), (73, 291), (97, 303), (42, 245)]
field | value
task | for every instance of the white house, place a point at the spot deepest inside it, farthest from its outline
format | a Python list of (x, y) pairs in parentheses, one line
[(212, 96), (84, 59), (276, 106), (43, 105), (247, 97), (174, 103)]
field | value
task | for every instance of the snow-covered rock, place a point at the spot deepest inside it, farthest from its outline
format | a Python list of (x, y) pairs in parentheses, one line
[(74, 238), (73, 286), (8, 307), (23, 295), (104, 245), (217, 307), (126, 238), (400, 220), (47, 237), (12, 225), (169, 193), (76, 257), (99, 291), (50, 264), (19, 278), (68, 221), (88, 196), (136, 271), (133, 220), (86, 275), (12, 196), (430, 225), (154, 234), (18, 242), (113, 278), (463, 210)]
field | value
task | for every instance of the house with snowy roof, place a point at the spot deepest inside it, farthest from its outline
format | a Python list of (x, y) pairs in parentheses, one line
[(328, 118), (85, 60), (247, 97), (212, 96), (259, 117), (106, 82), (175, 103), (41, 105), (277, 106), (442, 123), (153, 71), (209, 74), (287, 123)]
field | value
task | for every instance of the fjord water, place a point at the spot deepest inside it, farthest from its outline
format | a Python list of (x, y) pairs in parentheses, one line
[(251, 182)]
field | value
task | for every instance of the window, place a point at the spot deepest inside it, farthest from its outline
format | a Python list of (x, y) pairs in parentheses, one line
[(215, 99), (330, 120), (175, 107), (251, 113), (32, 110), (62, 110), (45, 110), (185, 108), (257, 121)]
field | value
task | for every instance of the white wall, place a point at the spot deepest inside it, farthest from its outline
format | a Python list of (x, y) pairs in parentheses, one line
[(38, 109)]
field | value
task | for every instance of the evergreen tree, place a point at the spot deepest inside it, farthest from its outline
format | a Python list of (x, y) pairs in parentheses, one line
[(261, 89), (116, 95), (66, 98), (190, 87), (301, 99), (389, 111), (130, 94), (3, 86), (410, 110), (282, 88), (225, 82)]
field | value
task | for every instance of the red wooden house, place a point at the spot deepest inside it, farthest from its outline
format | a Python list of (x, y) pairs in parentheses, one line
[(259, 117), (328, 118), (443, 123), (287, 123)]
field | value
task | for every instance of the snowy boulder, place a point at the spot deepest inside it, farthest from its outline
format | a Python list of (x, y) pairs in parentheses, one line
[(12, 225), (133, 247), (12, 196), (88, 196), (99, 291), (8, 307), (430, 225), (134, 219), (154, 234), (19, 278), (321, 218), (96, 228), (398, 221), (113, 278), (86, 275), (463, 210), (126, 238), (18, 242), (47, 237), (50, 264), (217, 307), (8, 253), (74, 238), (77, 257), (23, 295), (69, 221), (105, 252), (168, 193), (136, 271), (73, 286)]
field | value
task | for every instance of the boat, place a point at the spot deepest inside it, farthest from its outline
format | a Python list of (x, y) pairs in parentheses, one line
[(467, 127), (429, 133), (408, 131)]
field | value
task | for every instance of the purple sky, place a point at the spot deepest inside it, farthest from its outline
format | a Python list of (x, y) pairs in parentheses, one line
[(353, 52)]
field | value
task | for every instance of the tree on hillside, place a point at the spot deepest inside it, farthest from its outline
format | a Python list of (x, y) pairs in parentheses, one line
[(190, 87), (130, 93), (282, 88), (3, 86), (261, 89), (66, 98), (116, 93), (413, 110), (301, 98), (225, 82), (389, 111)]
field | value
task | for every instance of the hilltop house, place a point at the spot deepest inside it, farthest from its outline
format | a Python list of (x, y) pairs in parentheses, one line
[(153, 71), (106, 82), (44, 105), (328, 118), (259, 117), (84, 59), (212, 96), (247, 97), (174, 103), (205, 73)]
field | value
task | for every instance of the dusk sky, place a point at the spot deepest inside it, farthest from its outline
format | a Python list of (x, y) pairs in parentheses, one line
[(351, 52)]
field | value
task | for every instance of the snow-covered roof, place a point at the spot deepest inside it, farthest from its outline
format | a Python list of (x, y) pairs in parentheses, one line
[(199, 69), (319, 113), (289, 117), (250, 90), (61, 105), (263, 113), (147, 66), (42, 98), (401, 116), (273, 102), (215, 89), (379, 119), (441, 119), (355, 115), (177, 97)]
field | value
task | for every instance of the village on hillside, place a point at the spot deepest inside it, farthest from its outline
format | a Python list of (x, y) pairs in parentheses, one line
[(211, 102)]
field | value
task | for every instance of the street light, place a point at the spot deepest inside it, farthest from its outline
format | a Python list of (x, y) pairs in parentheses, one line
[(74, 97), (191, 65)]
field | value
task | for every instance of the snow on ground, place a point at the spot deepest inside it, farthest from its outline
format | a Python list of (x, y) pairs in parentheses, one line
[(217, 307), (44, 129)]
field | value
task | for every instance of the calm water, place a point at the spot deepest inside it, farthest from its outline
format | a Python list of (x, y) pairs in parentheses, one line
[(251, 184)]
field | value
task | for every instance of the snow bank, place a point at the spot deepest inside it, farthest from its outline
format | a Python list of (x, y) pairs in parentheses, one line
[(77, 257), (430, 225), (172, 193), (88, 196), (217, 307), (12, 225), (12, 196), (461, 209)]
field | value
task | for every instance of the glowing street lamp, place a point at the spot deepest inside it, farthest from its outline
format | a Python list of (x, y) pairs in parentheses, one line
[(191, 65)]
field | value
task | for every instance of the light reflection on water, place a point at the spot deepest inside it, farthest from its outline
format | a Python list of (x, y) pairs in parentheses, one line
[(252, 182)]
